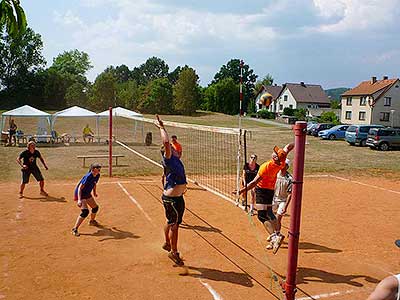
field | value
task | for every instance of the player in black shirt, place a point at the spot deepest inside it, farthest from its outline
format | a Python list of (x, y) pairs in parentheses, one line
[(27, 161)]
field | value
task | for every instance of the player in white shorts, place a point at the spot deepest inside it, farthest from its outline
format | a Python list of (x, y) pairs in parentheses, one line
[(282, 196)]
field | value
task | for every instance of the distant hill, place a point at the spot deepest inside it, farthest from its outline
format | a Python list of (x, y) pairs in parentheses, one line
[(335, 93)]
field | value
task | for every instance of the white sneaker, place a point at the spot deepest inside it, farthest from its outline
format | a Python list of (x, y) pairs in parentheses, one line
[(271, 237), (277, 243)]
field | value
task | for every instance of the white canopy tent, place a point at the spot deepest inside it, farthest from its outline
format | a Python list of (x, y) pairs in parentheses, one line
[(75, 112), (25, 111), (125, 113), (120, 112)]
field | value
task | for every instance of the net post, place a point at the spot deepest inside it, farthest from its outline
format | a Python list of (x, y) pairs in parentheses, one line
[(238, 166), (245, 161), (110, 141), (295, 213)]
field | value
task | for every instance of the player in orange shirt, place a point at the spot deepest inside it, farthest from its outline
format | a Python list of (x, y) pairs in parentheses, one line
[(265, 184), (177, 147)]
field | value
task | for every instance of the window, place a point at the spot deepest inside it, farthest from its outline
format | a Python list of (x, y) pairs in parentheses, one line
[(280, 106), (285, 98), (348, 101), (363, 101), (348, 115), (384, 116), (361, 115), (388, 101), (291, 106)]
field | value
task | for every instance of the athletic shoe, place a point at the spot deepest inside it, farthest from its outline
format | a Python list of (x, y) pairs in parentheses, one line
[(271, 237), (93, 223), (269, 246), (166, 247), (75, 232), (175, 258), (277, 243), (43, 193)]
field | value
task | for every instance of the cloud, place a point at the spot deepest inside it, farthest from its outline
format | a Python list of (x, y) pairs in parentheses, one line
[(356, 15)]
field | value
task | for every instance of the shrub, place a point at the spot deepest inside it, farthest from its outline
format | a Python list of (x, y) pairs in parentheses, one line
[(265, 114)]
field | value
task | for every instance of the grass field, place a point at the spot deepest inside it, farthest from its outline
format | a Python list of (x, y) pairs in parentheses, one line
[(321, 156)]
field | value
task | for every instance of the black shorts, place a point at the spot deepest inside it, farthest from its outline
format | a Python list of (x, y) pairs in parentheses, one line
[(35, 172), (264, 196), (174, 209), (12, 132)]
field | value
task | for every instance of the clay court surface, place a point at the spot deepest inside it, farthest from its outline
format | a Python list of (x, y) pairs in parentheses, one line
[(346, 243)]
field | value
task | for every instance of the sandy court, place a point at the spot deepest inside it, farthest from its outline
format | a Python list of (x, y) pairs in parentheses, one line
[(346, 244)]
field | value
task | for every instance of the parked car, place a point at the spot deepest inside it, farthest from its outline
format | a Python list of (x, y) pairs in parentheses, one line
[(310, 128), (383, 138), (336, 132), (321, 126), (357, 134)]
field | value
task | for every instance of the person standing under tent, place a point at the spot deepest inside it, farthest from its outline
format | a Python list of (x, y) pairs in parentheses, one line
[(176, 146), (250, 171), (85, 199), (12, 132), (282, 196), (172, 196), (387, 289), (27, 161), (265, 184)]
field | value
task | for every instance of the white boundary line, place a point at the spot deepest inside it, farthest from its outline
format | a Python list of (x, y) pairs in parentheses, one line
[(136, 203), (213, 292), (100, 183), (352, 181), (327, 295)]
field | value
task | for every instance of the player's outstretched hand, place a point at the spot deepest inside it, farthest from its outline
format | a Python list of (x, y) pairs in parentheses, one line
[(159, 122)]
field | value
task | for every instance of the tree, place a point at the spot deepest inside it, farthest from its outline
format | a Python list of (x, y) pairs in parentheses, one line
[(12, 17), (128, 94), (335, 104), (186, 92), (157, 97), (329, 117), (74, 62), (104, 91), (153, 68), (222, 96), (300, 114), (121, 73), (232, 70), (20, 56), (267, 80), (77, 94)]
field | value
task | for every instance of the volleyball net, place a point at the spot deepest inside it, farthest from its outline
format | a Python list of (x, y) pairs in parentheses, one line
[(213, 156)]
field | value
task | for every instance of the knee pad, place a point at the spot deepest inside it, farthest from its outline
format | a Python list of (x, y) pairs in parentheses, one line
[(84, 213), (95, 209), (270, 214), (262, 216)]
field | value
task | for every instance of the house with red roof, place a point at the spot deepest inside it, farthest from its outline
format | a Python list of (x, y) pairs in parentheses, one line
[(372, 102)]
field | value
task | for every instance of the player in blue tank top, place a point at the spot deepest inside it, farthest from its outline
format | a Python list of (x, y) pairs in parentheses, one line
[(84, 198), (174, 188)]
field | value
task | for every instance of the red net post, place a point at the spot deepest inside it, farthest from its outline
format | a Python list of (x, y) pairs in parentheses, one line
[(295, 212)]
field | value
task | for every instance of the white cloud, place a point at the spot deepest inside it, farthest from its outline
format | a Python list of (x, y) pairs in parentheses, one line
[(355, 15)]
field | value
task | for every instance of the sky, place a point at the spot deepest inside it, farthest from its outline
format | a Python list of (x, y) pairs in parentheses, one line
[(334, 43)]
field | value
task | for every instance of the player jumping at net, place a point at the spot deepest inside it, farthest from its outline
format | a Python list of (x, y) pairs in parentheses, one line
[(172, 197), (84, 198), (265, 184), (27, 161), (250, 171)]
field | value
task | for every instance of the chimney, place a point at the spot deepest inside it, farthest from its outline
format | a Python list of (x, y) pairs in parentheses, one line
[(373, 79), (302, 83), (385, 78)]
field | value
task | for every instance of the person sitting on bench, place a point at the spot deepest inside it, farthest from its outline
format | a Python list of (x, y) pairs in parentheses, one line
[(87, 134)]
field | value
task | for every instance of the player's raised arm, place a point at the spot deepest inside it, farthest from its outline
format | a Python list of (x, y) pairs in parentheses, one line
[(164, 137)]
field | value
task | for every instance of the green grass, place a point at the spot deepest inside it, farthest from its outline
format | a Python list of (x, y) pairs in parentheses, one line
[(321, 156)]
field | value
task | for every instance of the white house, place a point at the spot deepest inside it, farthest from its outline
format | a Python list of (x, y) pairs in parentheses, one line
[(296, 96), (373, 102)]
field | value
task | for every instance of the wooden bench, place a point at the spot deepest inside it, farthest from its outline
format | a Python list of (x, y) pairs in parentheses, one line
[(84, 157)]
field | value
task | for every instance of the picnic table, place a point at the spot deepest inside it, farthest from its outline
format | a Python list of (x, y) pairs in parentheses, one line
[(84, 157)]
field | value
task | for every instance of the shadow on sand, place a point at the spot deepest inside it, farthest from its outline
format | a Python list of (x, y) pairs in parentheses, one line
[(112, 233)]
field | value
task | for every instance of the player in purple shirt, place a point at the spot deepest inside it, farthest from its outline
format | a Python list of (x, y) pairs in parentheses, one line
[(84, 198)]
